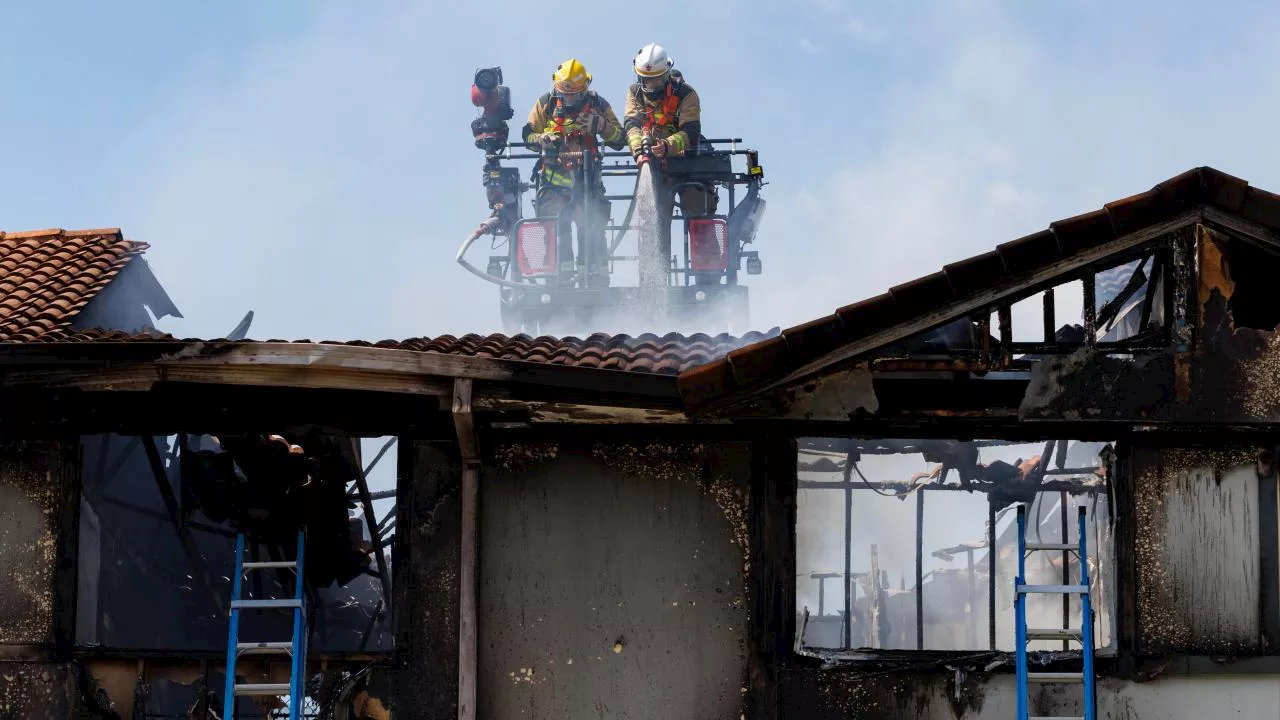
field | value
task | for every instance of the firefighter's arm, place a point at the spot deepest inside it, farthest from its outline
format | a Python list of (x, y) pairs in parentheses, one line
[(632, 119), (690, 128), (611, 135), (532, 132)]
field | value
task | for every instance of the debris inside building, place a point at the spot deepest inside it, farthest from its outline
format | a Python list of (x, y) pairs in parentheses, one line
[(1041, 480)]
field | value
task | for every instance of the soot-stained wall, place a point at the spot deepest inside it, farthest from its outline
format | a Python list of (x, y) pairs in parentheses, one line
[(612, 581), (37, 482), (950, 696), (425, 564), (28, 543), (1197, 551)]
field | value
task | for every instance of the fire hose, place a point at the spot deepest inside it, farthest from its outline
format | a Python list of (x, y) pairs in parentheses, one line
[(494, 223), (486, 227)]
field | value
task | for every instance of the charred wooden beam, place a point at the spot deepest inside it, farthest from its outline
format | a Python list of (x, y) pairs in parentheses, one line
[(1090, 308), (468, 659), (1066, 559), (69, 478), (193, 656), (984, 330), (771, 591), (218, 409), (383, 451), (919, 571), (1183, 253), (847, 634), (956, 364), (991, 571), (1123, 487), (319, 366), (1074, 487), (1004, 313), (366, 501), (1050, 324), (1269, 548), (175, 516)]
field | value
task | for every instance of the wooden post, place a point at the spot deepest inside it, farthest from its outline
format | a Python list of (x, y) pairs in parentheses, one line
[(874, 586), (468, 665), (1066, 563), (920, 569), (1050, 331), (971, 631), (847, 635), (1268, 548), (1090, 309), (991, 571), (1005, 316)]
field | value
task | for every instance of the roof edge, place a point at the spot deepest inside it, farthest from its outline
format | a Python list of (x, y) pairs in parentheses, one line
[(149, 359), (806, 349)]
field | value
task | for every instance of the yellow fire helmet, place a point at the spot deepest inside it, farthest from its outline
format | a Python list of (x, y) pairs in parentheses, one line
[(571, 77)]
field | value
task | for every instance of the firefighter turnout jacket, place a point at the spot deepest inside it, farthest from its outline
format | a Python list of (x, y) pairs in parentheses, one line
[(550, 116), (675, 116)]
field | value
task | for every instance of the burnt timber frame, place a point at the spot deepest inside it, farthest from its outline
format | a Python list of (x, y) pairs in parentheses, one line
[(867, 350)]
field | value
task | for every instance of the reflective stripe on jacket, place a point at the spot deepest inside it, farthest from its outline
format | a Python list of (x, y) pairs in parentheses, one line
[(544, 118)]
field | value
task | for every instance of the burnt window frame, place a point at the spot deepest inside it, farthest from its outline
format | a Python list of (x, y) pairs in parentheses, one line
[(849, 484)]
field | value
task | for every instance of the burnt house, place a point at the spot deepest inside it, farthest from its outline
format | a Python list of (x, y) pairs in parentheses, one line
[(814, 522)]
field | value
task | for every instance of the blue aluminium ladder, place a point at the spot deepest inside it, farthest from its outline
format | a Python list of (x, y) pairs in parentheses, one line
[(1084, 635), (295, 648)]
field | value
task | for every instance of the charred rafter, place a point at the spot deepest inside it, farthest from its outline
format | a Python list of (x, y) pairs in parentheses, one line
[(175, 516)]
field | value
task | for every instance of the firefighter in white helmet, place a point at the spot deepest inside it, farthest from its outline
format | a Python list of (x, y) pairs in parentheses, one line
[(570, 118), (662, 106)]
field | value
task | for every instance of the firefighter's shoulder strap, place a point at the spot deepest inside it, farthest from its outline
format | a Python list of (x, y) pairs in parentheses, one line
[(543, 104), (679, 90), (668, 107)]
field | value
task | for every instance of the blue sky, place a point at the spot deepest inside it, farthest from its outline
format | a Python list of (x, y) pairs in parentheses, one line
[(313, 162)]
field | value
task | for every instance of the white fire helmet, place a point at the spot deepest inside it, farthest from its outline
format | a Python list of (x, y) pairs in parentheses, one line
[(652, 61)]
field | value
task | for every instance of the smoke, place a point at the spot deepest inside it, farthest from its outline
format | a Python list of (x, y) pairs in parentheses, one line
[(316, 166), (955, 603)]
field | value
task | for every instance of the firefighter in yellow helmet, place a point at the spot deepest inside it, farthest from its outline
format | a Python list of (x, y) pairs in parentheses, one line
[(570, 118), (664, 107)]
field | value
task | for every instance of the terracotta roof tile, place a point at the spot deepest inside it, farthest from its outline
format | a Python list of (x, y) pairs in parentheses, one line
[(1083, 232), (974, 274), (49, 276), (1224, 191), (663, 355), (754, 366), (1027, 253), (917, 296), (1262, 207)]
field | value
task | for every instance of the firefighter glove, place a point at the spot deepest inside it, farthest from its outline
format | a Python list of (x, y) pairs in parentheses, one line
[(548, 139), (659, 148)]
